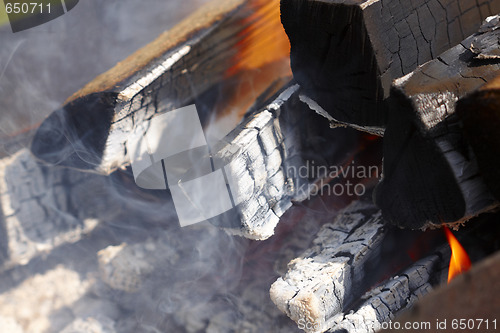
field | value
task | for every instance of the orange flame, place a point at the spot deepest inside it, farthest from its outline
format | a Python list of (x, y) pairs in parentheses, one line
[(459, 261), (261, 57), (263, 40)]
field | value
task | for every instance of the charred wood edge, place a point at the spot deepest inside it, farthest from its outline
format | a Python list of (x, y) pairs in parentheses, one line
[(480, 116), (392, 297), (321, 286), (423, 119), (472, 295), (325, 278), (90, 130), (314, 106), (256, 156), (44, 207), (394, 36)]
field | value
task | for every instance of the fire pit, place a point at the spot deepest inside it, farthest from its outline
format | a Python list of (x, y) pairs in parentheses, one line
[(342, 140)]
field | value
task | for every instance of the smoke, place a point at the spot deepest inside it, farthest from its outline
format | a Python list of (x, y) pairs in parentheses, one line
[(162, 277), (41, 67)]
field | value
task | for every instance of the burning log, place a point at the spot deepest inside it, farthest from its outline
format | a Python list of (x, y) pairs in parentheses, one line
[(259, 185), (43, 207), (480, 116), (427, 160), (90, 130), (322, 288), (345, 54), (325, 279)]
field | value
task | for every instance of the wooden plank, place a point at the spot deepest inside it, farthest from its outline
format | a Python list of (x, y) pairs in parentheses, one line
[(90, 130), (345, 54), (427, 160)]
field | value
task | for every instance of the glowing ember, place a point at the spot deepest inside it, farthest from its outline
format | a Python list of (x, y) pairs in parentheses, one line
[(459, 261)]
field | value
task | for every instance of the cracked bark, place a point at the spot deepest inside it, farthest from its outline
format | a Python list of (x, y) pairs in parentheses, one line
[(397, 294), (264, 157), (428, 161), (91, 131), (327, 277), (345, 54), (323, 288)]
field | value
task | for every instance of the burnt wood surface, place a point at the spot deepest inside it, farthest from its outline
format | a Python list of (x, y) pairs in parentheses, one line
[(327, 277), (90, 131), (72, 238), (263, 156), (480, 116), (345, 54), (329, 287), (431, 174)]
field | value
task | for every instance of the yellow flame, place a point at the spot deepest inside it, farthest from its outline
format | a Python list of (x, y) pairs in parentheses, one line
[(459, 261)]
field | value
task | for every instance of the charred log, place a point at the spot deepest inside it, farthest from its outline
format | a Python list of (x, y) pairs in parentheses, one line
[(345, 54), (400, 293), (263, 158), (325, 279), (324, 289), (463, 298), (480, 116), (431, 174)]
